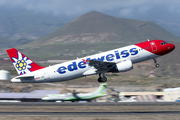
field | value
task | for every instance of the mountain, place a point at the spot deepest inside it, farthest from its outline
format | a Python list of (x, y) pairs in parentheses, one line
[(92, 33), (5, 42), (99, 27), (95, 32)]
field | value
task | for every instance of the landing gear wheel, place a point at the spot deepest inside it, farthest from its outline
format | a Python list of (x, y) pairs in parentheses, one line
[(102, 79), (99, 79), (157, 65)]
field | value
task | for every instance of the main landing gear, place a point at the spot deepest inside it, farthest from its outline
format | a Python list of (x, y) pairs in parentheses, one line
[(156, 64), (102, 79)]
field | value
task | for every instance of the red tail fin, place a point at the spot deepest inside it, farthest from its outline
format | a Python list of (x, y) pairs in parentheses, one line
[(22, 63)]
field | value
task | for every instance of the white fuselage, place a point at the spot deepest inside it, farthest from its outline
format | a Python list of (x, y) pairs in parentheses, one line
[(75, 68)]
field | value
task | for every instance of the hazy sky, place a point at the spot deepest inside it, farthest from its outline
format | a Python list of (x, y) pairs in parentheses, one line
[(164, 12), (123, 8)]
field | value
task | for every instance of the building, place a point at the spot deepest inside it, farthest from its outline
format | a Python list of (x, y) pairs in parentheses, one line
[(34, 96), (171, 94), (141, 96), (4, 75)]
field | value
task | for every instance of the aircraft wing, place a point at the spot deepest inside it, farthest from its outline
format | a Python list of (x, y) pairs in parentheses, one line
[(100, 65)]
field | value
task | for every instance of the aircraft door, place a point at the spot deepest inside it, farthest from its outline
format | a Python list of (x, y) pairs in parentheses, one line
[(153, 46)]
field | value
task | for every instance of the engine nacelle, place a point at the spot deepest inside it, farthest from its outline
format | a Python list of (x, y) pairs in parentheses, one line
[(124, 66)]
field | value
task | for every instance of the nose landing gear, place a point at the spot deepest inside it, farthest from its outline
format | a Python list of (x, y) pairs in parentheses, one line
[(102, 79), (156, 64)]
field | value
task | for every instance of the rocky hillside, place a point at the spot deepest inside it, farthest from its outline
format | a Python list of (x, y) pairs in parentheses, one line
[(96, 32), (98, 27), (92, 33)]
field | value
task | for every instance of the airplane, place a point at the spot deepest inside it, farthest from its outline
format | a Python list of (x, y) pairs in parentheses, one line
[(117, 60), (100, 92)]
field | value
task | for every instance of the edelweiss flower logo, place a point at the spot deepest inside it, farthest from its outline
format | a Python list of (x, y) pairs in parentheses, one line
[(22, 64)]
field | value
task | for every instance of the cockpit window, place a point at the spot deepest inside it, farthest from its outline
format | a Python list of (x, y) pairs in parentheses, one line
[(163, 43)]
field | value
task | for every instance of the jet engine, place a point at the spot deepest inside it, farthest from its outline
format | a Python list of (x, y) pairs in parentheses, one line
[(122, 66)]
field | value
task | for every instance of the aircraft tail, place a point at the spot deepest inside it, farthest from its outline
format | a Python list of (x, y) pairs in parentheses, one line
[(101, 90), (22, 63)]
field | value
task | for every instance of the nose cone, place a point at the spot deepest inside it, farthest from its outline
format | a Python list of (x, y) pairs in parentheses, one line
[(171, 47), (164, 48)]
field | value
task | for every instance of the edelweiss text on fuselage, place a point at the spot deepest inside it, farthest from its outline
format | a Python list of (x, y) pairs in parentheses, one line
[(109, 57)]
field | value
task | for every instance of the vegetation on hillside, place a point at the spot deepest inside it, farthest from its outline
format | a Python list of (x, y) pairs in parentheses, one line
[(95, 32), (92, 24)]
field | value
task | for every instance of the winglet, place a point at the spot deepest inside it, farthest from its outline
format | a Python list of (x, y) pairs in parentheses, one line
[(22, 63)]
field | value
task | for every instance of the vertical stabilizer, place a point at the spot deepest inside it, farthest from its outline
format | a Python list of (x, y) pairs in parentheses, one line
[(22, 63)]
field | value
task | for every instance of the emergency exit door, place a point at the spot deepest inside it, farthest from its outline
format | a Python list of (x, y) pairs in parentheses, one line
[(153, 46)]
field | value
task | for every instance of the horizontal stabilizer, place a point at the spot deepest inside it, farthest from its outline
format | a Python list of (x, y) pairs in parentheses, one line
[(25, 77)]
